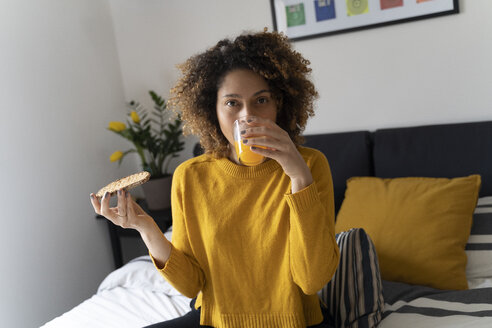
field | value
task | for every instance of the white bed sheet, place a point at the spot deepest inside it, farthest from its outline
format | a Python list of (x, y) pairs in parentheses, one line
[(122, 307), (135, 295)]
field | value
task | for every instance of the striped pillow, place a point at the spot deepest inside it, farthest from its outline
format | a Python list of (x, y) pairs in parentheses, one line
[(479, 246), (354, 296)]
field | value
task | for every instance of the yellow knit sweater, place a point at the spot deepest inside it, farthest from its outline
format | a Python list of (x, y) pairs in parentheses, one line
[(255, 253)]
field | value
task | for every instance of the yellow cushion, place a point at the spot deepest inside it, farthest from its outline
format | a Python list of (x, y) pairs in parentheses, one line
[(419, 226)]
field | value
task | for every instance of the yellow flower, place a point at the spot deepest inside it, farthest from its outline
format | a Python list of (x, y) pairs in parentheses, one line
[(116, 126), (117, 155), (135, 117)]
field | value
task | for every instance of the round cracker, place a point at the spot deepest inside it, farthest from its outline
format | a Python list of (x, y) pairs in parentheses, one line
[(126, 183)]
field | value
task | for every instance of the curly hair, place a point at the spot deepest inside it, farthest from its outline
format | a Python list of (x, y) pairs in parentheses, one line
[(268, 54)]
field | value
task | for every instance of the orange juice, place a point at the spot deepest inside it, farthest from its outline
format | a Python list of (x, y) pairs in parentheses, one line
[(246, 156)]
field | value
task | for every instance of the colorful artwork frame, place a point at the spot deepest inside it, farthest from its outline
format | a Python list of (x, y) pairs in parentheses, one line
[(305, 19)]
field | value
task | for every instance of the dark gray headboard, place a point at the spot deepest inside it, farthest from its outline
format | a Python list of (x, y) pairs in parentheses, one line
[(446, 150), (349, 154)]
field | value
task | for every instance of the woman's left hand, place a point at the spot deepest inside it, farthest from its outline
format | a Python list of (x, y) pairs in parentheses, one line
[(264, 132)]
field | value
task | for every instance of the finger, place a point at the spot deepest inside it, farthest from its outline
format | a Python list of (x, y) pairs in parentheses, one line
[(261, 126), (105, 205), (113, 217), (266, 152), (122, 202), (274, 132), (259, 121), (268, 142), (95, 204), (129, 205)]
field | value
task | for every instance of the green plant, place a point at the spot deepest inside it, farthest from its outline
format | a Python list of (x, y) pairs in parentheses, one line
[(157, 139)]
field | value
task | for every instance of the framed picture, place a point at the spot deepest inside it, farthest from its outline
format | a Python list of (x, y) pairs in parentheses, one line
[(304, 19)]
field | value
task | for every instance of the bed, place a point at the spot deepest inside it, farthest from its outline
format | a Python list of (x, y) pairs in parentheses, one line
[(135, 295)]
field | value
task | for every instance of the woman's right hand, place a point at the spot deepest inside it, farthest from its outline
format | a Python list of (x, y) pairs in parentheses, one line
[(127, 213)]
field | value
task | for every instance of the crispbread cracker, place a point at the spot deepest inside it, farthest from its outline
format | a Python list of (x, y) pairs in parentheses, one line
[(127, 183)]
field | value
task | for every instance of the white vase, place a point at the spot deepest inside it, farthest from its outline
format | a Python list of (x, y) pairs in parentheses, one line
[(158, 193)]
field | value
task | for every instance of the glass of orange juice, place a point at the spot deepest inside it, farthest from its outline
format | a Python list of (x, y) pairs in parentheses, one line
[(244, 153)]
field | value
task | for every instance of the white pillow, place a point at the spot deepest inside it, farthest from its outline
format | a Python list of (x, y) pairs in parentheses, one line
[(139, 273), (168, 234), (480, 283), (479, 246)]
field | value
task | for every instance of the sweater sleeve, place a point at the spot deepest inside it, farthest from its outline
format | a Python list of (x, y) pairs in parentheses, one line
[(314, 253), (181, 270)]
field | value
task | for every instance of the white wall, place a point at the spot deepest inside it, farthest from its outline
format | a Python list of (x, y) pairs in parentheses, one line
[(430, 71), (60, 84)]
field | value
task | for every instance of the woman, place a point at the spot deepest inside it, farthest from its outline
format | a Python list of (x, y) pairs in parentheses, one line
[(252, 244)]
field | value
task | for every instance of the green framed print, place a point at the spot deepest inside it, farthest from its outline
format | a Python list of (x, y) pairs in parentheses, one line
[(304, 19)]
